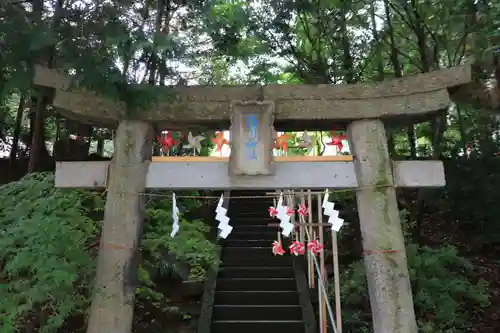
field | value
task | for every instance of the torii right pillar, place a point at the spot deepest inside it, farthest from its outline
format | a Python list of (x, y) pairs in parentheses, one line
[(386, 267)]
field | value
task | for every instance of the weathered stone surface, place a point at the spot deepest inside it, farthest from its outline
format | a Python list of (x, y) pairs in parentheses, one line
[(88, 104), (383, 242), (408, 85), (210, 107), (113, 300), (214, 175)]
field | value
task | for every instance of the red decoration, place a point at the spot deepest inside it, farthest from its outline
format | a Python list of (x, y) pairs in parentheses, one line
[(289, 211), (278, 248), (314, 247), (76, 137), (219, 141), (302, 210), (272, 212), (297, 248), (337, 140), (281, 142), (167, 141)]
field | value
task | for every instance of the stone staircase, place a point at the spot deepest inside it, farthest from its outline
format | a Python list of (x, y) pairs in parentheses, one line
[(255, 291)]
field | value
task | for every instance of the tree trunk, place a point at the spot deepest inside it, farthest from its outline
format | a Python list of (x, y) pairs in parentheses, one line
[(398, 72), (38, 150), (113, 300), (17, 130), (383, 242), (36, 113), (347, 60), (155, 61), (100, 147), (412, 143), (421, 35), (376, 40)]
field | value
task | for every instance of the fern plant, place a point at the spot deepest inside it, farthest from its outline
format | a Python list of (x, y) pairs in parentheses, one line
[(189, 246), (47, 266), (442, 284), (44, 235)]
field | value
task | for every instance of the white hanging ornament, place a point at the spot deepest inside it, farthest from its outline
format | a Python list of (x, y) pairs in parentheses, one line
[(336, 224), (225, 231), (327, 205), (335, 221), (223, 221), (175, 217), (284, 218), (280, 208), (280, 202), (333, 215), (287, 229), (194, 142), (224, 227), (219, 210)]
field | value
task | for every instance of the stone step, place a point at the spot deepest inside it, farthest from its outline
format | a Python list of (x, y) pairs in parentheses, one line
[(233, 243), (264, 326), (255, 290), (263, 252), (254, 228), (256, 272), (265, 260), (262, 220), (256, 284), (264, 233), (256, 298), (256, 312)]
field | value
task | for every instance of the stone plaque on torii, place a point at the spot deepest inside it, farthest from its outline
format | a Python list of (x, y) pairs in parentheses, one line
[(250, 112)]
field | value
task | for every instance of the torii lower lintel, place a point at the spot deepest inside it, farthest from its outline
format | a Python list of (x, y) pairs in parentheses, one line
[(212, 173)]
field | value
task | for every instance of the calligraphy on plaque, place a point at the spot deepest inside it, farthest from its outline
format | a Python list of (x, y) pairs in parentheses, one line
[(251, 138), (251, 123)]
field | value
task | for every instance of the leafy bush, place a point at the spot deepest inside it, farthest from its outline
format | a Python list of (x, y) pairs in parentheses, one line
[(44, 236), (190, 246), (470, 200), (442, 291), (46, 262)]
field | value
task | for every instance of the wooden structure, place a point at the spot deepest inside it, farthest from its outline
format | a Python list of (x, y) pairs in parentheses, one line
[(363, 108)]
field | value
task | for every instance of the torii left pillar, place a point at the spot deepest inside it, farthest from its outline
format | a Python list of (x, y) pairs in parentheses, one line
[(113, 300)]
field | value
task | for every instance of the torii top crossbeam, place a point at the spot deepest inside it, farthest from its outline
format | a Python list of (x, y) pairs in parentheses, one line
[(296, 107)]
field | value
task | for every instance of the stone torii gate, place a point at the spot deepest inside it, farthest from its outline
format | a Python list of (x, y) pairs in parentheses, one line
[(363, 108)]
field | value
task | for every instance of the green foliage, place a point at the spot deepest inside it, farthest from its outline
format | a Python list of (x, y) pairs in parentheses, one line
[(46, 241), (443, 288), (442, 291), (189, 246), (226, 22), (470, 199), (44, 234)]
